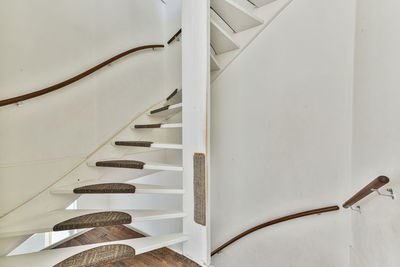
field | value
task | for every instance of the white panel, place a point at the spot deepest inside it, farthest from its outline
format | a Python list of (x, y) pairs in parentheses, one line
[(196, 85)]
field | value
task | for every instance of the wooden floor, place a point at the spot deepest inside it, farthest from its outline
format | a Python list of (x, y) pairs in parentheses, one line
[(162, 257)]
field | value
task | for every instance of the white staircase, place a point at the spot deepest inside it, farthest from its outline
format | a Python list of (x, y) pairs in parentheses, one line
[(234, 24), (161, 125)]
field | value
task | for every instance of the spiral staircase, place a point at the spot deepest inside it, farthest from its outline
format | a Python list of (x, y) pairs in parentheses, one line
[(155, 134)]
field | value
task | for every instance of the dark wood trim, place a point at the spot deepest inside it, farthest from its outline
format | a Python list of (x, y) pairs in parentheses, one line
[(134, 143), (147, 126), (131, 164), (175, 35), (172, 94), (75, 78), (159, 109), (375, 184), (276, 221)]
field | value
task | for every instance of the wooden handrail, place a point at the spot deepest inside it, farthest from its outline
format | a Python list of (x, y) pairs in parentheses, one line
[(279, 220), (175, 35), (75, 78), (368, 189)]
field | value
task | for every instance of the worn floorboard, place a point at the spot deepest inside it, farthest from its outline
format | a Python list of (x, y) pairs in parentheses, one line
[(163, 257)]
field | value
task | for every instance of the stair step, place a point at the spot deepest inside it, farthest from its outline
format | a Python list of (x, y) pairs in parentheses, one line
[(157, 126), (147, 144), (98, 219), (50, 258), (133, 164), (167, 110), (234, 15), (214, 64), (99, 256), (175, 97), (60, 220), (260, 3), (98, 187), (220, 39)]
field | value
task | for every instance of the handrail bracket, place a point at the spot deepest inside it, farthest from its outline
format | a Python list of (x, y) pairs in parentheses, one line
[(390, 190)]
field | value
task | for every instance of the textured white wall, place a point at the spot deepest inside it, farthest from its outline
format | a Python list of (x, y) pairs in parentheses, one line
[(376, 133), (44, 42), (281, 140)]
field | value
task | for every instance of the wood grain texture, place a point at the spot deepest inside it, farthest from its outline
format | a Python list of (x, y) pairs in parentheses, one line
[(375, 184), (75, 78), (276, 221), (163, 257)]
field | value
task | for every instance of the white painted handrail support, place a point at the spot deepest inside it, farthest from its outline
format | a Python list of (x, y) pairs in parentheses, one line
[(195, 90)]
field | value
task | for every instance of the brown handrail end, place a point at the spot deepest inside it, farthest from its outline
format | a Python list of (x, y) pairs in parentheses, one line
[(276, 221), (174, 37), (368, 189)]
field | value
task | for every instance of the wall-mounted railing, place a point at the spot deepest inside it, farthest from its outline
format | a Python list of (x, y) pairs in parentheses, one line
[(368, 189), (175, 36), (276, 221), (76, 78)]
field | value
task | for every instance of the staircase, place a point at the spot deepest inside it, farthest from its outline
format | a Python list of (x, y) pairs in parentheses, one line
[(141, 148), (234, 24), (161, 127)]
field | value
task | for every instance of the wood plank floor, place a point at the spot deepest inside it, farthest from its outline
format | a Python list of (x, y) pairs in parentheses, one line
[(163, 257)]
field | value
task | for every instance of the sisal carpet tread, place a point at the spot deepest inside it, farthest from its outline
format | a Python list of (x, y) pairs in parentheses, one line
[(94, 220), (99, 256), (107, 188)]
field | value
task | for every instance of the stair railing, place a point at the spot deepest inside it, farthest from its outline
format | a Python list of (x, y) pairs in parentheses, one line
[(276, 221), (174, 37), (369, 189), (76, 78)]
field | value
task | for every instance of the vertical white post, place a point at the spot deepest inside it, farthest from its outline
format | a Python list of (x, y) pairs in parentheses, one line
[(196, 86)]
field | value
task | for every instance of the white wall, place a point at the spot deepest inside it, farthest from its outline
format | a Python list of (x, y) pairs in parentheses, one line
[(281, 139), (376, 138), (44, 42)]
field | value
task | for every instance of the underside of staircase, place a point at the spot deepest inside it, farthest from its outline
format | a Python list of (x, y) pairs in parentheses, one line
[(69, 189)]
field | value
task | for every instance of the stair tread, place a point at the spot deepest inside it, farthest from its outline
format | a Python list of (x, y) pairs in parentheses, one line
[(139, 188), (46, 222), (167, 110), (134, 164), (220, 39), (175, 97), (147, 144), (260, 3), (234, 15), (49, 258), (99, 256), (157, 125)]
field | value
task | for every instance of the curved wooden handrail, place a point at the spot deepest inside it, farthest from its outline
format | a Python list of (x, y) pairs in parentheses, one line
[(175, 35), (368, 189), (276, 221), (75, 78)]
